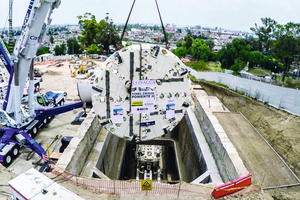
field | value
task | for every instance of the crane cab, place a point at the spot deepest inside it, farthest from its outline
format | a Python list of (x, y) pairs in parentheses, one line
[(43, 100)]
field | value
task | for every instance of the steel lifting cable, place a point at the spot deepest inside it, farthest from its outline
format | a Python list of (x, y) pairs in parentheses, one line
[(124, 29), (162, 25)]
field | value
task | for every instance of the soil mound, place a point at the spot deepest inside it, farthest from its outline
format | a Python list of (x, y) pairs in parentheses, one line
[(50, 72)]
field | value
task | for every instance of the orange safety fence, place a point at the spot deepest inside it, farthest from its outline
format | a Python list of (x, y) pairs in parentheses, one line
[(175, 188), (44, 63)]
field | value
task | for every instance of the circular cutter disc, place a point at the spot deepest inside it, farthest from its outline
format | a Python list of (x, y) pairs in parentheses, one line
[(142, 91)]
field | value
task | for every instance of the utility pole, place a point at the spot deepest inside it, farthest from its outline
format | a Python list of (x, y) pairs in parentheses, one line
[(10, 40)]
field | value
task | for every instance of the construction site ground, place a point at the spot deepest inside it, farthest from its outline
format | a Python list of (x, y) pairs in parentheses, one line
[(279, 128), (55, 79), (257, 157)]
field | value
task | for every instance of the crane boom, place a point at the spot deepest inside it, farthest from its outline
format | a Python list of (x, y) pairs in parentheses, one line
[(10, 41), (30, 39), (22, 120)]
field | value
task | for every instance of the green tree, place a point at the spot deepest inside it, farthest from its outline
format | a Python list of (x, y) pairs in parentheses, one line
[(287, 44), (90, 29), (255, 58), (107, 35), (93, 49), (73, 46), (103, 33), (253, 44), (210, 43), (188, 42), (57, 50), (180, 52), (51, 39), (179, 44), (285, 49), (199, 50), (43, 50), (60, 49), (63, 48), (265, 34), (238, 66), (237, 50)]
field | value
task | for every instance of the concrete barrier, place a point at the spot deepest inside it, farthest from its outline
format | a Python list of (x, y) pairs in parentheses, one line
[(75, 155), (229, 163), (205, 157)]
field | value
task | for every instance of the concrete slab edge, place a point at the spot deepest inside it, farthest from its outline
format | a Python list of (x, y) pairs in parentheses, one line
[(75, 155), (203, 151)]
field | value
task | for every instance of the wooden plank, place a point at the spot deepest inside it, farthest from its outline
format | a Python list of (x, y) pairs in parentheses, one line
[(55, 155)]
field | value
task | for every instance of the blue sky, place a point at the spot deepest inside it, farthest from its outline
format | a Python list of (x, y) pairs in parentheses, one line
[(228, 14)]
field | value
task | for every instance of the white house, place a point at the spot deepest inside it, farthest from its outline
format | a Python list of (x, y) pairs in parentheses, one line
[(44, 58)]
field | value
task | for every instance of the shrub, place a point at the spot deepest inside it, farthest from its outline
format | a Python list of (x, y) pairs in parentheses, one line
[(199, 66)]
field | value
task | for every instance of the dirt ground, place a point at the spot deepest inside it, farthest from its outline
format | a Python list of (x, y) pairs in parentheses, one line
[(55, 79), (281, 130), (257, 156)]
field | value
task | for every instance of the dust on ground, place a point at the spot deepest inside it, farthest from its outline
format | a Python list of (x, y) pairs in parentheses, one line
[(279, 128), (59, 79), (5, 176), (257, 156), (50, 72)]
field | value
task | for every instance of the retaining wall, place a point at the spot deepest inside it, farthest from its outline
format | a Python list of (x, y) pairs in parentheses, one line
[(75, 155), (229, 164), (188, 155), (111, 156), (206, 159)]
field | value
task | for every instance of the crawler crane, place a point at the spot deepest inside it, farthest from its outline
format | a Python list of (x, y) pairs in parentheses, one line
[(19, 121)]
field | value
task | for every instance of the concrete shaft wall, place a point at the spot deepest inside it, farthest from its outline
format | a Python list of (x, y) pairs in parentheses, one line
[(75, 155), (111, 156), (189, 157), (208, 165), (229, 163)]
